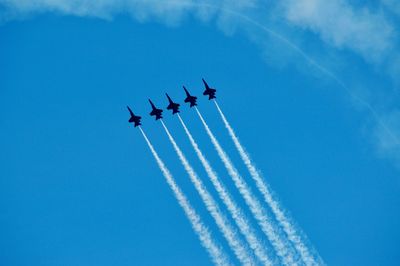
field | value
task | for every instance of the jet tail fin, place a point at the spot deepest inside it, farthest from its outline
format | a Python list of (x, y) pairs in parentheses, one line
[(205, 83), (169, 98), (187, 93), (130, 111)]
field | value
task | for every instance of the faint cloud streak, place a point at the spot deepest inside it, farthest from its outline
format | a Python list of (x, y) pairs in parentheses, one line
[(342, 27)]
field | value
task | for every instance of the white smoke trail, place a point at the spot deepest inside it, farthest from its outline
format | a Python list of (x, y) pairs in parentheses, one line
[(237, 214), (283, 220), (224, 225), (281, 246), (217, 255)]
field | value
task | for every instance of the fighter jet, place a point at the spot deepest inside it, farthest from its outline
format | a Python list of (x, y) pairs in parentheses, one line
[(189, 98), (209, 91), (172, 106), (155, 112), (134, 118)]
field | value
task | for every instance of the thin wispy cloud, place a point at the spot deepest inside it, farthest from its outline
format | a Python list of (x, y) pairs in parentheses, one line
[(340, 25), (392, 6), (343, 28), (387, 147)]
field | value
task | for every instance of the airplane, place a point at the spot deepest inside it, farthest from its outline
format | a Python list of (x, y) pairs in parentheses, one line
[(155, 112), (172, 106), (209, 91), (134, 118), (189, 98)]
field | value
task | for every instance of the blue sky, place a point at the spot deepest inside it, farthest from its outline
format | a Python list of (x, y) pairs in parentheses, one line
[(78, 183)]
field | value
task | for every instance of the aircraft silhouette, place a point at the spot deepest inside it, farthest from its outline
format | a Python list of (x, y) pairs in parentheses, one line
[(172, 106), (209, 91), (134, 118), (155, 112), (189, 98)]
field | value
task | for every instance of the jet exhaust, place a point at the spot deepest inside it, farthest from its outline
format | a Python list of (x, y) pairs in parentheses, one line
[(222, 222), (237, 214), (283, 219), (216, 253), (281, 246)]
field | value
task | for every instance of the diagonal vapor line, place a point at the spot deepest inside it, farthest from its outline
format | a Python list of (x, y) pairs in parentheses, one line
[(312, 62), (216, 253), (284, 220), (241, 220), (222, 222), (281, 246)]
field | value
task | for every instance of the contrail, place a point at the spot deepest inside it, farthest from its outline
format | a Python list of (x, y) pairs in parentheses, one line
[(237, 214), (217, 255), (262, 186), (306, 57), (281, 247), (224, 225)]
